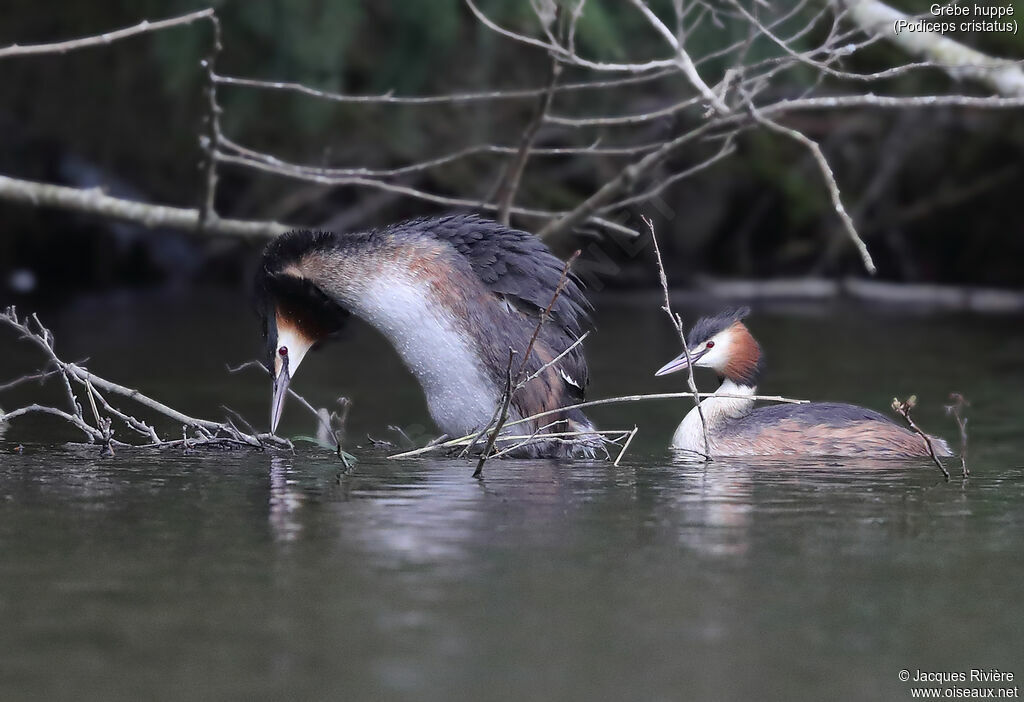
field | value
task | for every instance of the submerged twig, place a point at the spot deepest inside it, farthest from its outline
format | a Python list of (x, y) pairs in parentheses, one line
[(625, 446), (513, 384), (956, 410), (902, 408), (331, 423)]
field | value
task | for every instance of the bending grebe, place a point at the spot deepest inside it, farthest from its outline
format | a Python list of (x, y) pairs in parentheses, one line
[(452, 295), (735, 428)]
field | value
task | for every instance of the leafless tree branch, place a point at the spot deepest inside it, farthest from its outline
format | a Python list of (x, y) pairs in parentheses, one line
[(144, 27), (506, 192), (960, 61), (94, 201)]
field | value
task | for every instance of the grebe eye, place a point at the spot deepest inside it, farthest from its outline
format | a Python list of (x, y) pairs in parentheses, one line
[(283, 350), (710, 345)]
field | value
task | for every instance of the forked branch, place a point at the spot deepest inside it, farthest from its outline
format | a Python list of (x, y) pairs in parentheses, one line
[(96, 425)]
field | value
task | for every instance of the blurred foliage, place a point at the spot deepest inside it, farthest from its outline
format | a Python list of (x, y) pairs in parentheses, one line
[(134, 111)]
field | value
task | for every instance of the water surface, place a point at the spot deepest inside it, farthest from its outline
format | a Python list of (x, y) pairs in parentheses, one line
[(251, 576)]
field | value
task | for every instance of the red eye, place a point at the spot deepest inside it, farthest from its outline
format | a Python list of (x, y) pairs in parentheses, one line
[(711, 345), (283, 350)]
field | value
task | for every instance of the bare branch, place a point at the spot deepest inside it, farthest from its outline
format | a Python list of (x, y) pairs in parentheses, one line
[(622, 181), (212, 141), (830, 182), (300, 174), (683, 59), (93, 201), (92, 433), (101, 433), (41, 377), (878, 19), (446, 99), (105, 39), (568, 57), (728, 148), (506, 192)]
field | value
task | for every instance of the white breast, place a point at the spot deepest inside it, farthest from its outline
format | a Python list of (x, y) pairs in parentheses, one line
[(435, 348), (718, 411)]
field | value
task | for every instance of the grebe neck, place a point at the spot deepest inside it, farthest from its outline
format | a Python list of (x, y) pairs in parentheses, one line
[(435, 343), (730, 402)]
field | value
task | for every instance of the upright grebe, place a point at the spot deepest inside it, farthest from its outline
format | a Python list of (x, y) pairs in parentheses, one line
[(452, 295), (736, 428)]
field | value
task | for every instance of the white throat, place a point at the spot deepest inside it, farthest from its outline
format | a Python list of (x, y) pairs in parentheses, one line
[(434, 346), (730, 402)]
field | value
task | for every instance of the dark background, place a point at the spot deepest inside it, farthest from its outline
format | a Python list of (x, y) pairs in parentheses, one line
[(935, 192)]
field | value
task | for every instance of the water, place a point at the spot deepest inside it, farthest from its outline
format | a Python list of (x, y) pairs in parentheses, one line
[(248, 576)]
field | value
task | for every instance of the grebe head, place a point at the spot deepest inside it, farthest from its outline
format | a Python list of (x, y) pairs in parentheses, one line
[(724, 344), (296, 315)]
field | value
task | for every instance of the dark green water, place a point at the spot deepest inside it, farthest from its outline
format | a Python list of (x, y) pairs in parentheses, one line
[(248, 576)]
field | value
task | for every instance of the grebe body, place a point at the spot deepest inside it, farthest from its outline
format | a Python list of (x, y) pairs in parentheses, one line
[(736, 428), (453, 295)]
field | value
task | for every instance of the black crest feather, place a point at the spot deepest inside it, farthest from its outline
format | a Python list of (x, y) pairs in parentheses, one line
[(707, 327)]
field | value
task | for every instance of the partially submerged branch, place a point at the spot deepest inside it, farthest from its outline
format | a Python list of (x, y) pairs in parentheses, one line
[(903, 408), (677, 322), (515, 383), (957, 408), (330, 423), (99, 430)]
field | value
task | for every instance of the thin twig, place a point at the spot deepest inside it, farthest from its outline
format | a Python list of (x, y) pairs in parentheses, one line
[(324, 423), (830, 182), (956, 409), (626, 445), (506, 192), (903, 408), (595, 403), (683, 60), (506, 400), (446, 99), (94, 434), (677, 322), (211, 142), (41, 377), (106, 38), (512, 383), (102, 433)]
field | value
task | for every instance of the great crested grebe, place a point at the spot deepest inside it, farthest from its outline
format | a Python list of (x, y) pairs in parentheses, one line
[(735, 428), (452, 295)]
